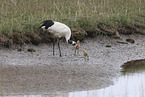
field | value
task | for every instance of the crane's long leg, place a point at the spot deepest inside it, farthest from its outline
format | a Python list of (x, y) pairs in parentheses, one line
[(59, 47), (53, 46)]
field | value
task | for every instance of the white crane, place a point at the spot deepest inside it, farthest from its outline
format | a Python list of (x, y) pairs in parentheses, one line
[(58, 30)]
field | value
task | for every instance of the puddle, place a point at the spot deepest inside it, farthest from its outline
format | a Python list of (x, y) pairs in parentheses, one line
[(129, 84)]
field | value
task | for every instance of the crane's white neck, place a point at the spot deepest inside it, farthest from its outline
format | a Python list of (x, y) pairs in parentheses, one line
[(68, 35)]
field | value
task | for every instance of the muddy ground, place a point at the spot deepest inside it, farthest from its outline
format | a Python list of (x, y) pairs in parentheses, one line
[(41, 72)]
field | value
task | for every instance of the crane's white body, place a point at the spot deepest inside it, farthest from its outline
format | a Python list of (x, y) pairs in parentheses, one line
[(59, 30)]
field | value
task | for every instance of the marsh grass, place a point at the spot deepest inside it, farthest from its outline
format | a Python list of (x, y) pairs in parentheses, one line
[(20, 20)]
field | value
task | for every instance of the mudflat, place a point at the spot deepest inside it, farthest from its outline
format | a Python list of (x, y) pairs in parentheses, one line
[(41, 72)]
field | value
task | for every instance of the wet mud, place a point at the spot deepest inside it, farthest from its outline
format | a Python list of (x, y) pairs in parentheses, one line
[(41, 72)]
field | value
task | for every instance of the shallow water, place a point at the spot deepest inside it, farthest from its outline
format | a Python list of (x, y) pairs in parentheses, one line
[(127, 85), (40, 74)]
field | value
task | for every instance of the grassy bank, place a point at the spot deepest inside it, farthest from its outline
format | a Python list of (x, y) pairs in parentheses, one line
[(19, 19)]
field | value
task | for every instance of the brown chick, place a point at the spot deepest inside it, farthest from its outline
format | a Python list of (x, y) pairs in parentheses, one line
[(85, 53), (77, 47)]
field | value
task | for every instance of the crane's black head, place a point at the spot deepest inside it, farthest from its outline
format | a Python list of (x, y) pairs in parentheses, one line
[(71, 42), (47, 24)]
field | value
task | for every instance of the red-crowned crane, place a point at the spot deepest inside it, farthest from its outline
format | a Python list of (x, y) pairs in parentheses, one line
[(58, 30)]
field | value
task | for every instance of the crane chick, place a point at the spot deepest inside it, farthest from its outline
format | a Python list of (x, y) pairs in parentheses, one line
[(58, 30), (85, 53), (77, 47)]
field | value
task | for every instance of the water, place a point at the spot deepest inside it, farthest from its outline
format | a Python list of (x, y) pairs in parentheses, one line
[(129, 84)]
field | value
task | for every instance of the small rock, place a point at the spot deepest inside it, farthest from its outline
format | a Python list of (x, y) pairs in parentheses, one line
[(20, 49), (31, 50), (108, 45), (121, 42), (130, 40)]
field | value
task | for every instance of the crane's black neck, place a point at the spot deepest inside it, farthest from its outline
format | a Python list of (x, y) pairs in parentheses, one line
[(71, 42)]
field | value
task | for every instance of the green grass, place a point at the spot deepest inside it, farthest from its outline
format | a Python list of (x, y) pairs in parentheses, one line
[(19, 19)]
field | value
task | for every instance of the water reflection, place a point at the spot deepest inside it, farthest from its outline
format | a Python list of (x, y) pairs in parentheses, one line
[(130, 84)]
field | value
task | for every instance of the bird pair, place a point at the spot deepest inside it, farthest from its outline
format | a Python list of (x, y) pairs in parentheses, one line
[(85, 53)]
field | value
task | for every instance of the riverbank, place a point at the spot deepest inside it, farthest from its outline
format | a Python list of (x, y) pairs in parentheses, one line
[(20, 20), (41, 72)]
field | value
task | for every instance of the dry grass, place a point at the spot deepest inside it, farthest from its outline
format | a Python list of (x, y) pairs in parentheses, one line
[(19, 19)]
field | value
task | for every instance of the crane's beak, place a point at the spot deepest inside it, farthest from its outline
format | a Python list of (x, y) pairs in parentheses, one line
[(73, 43)]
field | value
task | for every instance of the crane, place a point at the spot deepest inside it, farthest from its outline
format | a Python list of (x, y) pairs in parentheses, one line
[(58, 30)]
